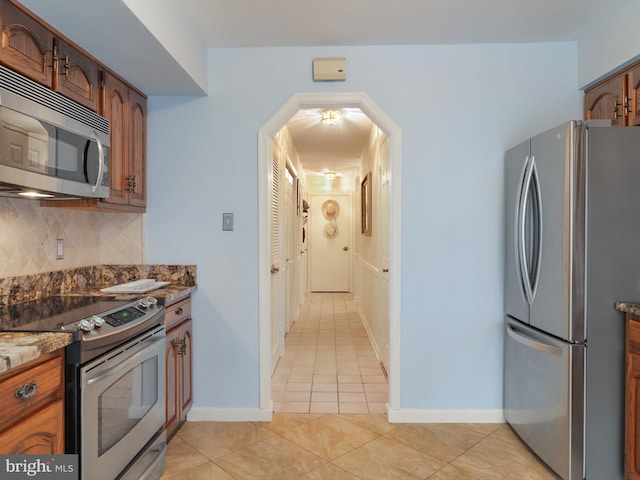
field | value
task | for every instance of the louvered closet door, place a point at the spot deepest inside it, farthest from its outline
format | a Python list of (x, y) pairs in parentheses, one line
[(277, 331)]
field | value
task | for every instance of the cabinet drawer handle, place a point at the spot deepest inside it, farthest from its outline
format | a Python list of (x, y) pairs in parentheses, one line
[(27, 391), (179, 311)]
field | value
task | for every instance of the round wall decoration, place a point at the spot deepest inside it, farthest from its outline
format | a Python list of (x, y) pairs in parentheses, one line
[(330, 209)]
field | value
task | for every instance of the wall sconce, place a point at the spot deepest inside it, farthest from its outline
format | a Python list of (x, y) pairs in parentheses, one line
[(331, 117)]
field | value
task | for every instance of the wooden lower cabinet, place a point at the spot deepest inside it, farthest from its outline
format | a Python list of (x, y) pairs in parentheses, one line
[(33, 424), (179, 358), (632, 400), (40, 433)]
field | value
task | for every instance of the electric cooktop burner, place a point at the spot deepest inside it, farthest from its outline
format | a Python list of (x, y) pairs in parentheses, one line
[(51, 314)]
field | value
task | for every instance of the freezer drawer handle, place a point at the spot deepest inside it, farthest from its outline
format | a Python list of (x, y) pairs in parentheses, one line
[(535, 344)]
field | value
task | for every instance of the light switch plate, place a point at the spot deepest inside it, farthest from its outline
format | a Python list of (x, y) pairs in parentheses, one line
[(227, 222), (59, 248)]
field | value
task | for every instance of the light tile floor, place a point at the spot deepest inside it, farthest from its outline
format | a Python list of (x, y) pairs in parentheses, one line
[(348, 447), (329, 365)]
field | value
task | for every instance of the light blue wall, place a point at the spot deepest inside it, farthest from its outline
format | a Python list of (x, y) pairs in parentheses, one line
[(610, 45), (459, 108)]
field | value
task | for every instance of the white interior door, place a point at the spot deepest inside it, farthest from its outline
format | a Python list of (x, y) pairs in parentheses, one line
[(330, 222), (383, 294), (277, 323)]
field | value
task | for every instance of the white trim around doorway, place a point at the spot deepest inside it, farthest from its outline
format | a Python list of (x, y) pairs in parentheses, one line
[(265, 134)]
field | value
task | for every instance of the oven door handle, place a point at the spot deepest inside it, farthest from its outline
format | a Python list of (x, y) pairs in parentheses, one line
[(127, 362)]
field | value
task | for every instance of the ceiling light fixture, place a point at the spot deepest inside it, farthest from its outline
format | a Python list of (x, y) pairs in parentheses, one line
[(331, 117), (330, 176)]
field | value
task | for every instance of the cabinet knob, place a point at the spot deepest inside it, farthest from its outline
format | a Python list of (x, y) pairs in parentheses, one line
[(27, 391), (179, 311)]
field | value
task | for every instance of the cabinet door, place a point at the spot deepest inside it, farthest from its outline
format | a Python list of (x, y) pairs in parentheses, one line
[(605, 101), (632, 443), (633, 86), (26, 44), (77, 75), (137, 149), (186, 359), (172, 347), (632, 400), (115, 109), (41, 433)]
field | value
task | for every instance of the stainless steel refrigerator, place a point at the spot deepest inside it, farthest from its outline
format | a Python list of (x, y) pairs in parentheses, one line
[(572, 251)]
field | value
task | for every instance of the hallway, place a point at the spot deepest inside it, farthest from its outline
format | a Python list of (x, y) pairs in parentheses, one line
[(329, 365)]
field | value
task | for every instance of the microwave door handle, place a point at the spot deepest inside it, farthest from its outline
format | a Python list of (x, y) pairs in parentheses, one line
[(94, 136)]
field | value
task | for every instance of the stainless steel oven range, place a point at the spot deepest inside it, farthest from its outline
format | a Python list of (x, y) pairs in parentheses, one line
[(115, 379)]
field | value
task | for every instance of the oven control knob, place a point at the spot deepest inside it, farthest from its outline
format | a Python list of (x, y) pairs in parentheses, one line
[(85, 325), (97, 321), (147, 302)]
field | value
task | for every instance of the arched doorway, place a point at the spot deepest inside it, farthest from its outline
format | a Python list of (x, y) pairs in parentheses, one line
[(265, 135)]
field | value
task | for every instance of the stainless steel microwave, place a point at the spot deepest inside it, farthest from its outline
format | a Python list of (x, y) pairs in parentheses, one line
[(50, 146)]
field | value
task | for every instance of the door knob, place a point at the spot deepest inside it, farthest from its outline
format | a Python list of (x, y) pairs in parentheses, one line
[(274, 269), (385, 270), (345, 248)]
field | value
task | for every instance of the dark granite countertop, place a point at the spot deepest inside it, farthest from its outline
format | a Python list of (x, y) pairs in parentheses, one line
[(17, 348), (628, 307)]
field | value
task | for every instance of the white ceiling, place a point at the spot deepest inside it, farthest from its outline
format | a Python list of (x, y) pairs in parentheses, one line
[(330, 147), (251, 23)]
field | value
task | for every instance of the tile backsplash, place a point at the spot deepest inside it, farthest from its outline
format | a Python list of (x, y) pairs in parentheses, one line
[(28, 236)]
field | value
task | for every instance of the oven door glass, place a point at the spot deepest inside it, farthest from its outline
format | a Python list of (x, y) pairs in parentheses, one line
[(125, 402), (122, 404)]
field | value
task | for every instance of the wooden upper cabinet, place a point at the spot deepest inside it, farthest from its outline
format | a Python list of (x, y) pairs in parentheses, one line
[(606, 101), (75, 75), (115, 109), (633, 86), (26, 44), (35, 50), (137, 149), (126, 109)]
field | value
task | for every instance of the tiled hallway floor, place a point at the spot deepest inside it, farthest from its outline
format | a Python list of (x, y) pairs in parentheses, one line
[(330, 373), (329, 365)]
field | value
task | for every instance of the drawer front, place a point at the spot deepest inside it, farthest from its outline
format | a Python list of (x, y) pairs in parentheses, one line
[(47, 377), (177, 312)]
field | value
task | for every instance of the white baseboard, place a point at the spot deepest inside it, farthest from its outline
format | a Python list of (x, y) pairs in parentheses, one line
[(213, 414), (446, 416)]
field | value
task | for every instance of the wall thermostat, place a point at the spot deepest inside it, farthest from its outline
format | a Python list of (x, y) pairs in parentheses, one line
[(329, 68)]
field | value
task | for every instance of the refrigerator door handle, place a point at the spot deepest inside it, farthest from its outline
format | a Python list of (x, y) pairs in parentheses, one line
[(521, 233), (537, 211), (530, 260), (536, 344)]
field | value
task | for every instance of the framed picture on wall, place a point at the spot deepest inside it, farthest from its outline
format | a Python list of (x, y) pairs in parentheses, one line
[(365, 202)]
